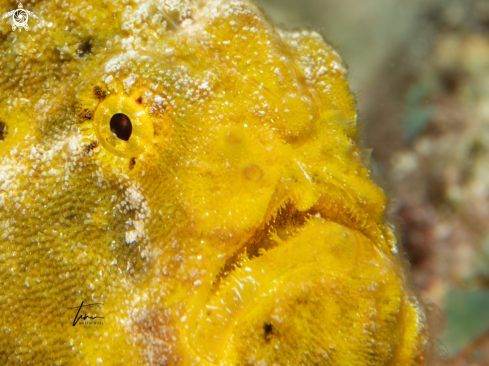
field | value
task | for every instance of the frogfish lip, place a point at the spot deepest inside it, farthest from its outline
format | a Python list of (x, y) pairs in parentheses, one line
[(307, 261), (298, 270)]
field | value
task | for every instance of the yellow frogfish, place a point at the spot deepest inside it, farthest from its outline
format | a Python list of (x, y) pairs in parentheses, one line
[(180, 184)]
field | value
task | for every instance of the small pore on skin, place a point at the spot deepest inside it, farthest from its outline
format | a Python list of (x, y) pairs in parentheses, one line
[(132, 163), (3, 130), (253, 172), (85, 48), (268, 329), (234, 138)]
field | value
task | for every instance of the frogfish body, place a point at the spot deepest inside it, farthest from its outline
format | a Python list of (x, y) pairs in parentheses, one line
[(180, 184)]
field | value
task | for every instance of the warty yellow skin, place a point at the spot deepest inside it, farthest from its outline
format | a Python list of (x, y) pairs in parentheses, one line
[(237, 226)]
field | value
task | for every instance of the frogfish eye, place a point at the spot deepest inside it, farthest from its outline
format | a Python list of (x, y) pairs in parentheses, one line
[(123, 126)]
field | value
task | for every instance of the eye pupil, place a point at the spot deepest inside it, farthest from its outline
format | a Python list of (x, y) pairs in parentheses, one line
[(121, 125)]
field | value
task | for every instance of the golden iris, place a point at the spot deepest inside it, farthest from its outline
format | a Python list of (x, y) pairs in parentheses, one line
[(123, 126)]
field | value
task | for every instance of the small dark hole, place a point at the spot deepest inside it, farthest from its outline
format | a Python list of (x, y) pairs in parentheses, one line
[(268, 328), (3, 130), (84, 48), (121, 125)]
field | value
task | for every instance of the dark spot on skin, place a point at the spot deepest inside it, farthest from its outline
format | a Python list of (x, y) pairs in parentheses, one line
[(84, 48), (85, 114), (98, 92), (139, 100), (3, 130), (92, 146), (268, 329), (132, 162), (121, 125)]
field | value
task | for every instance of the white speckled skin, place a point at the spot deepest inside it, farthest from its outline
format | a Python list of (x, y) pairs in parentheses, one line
[(236, 226)]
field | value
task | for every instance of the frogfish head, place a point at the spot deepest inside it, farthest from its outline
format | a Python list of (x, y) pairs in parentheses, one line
[(181, 184)]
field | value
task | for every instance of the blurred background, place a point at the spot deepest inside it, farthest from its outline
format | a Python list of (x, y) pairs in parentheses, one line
[(420, 71)]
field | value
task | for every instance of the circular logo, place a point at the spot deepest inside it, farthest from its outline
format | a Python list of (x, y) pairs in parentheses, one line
[(20, 18)]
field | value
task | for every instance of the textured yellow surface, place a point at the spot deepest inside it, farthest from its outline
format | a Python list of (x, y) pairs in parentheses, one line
[(237, 226)]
